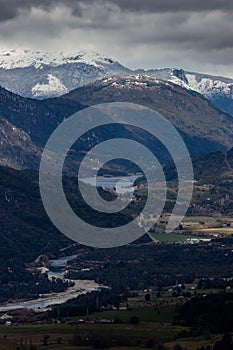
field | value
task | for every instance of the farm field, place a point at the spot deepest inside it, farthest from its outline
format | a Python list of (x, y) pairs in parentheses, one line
[(195, 227), (61, 336)]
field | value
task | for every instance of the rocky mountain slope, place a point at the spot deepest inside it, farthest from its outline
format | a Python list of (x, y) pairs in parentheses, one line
[(17, 148), (37, 118), (26, 126)]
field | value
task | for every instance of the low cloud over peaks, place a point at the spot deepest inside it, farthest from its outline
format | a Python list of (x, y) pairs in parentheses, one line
[(195, 35)]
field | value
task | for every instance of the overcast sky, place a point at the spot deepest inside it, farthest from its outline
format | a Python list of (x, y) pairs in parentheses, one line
[(195, 35)]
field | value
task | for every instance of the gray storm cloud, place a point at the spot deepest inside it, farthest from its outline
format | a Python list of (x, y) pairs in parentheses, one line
[(195, 35), (11, 8)]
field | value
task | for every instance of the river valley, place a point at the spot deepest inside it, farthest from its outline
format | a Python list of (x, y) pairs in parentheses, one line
[(57, 270)]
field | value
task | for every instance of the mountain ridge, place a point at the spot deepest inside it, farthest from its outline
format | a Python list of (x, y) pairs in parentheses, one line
[(191, 113), (203, 127), (40, 75)]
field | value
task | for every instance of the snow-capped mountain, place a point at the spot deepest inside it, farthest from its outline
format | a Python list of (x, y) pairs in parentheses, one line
[(41, 75), (48, 74), (205, 84), (26, 58), (217, 89)]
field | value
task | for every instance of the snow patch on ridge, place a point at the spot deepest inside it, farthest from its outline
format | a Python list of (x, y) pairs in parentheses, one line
[(53, 86), (208, 87)]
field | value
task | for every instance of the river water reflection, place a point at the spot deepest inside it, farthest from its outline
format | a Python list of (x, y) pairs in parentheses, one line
[(58, 267)]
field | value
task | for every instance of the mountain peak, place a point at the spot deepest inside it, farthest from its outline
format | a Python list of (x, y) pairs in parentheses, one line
[(22, 58), (35, 73)]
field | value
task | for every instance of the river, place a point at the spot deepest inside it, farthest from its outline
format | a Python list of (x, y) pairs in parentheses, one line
[(123, 184), (57, 270)]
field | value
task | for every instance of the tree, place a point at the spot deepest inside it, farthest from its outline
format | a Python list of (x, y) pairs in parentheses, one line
[(45, 340), (59, 340), (134, 320), (225, 343), (177, 347), (150, 343)]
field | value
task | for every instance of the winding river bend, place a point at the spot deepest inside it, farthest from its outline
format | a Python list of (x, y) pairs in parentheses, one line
[(57, 270)]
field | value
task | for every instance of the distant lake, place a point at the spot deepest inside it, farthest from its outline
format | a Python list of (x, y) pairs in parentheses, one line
[(123, 184)]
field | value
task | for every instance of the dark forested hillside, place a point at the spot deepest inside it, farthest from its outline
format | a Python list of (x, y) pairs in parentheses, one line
[(203, 127), (37, 118)]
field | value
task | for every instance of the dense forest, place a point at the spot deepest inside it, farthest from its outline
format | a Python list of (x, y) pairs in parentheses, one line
[(137, 267)]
